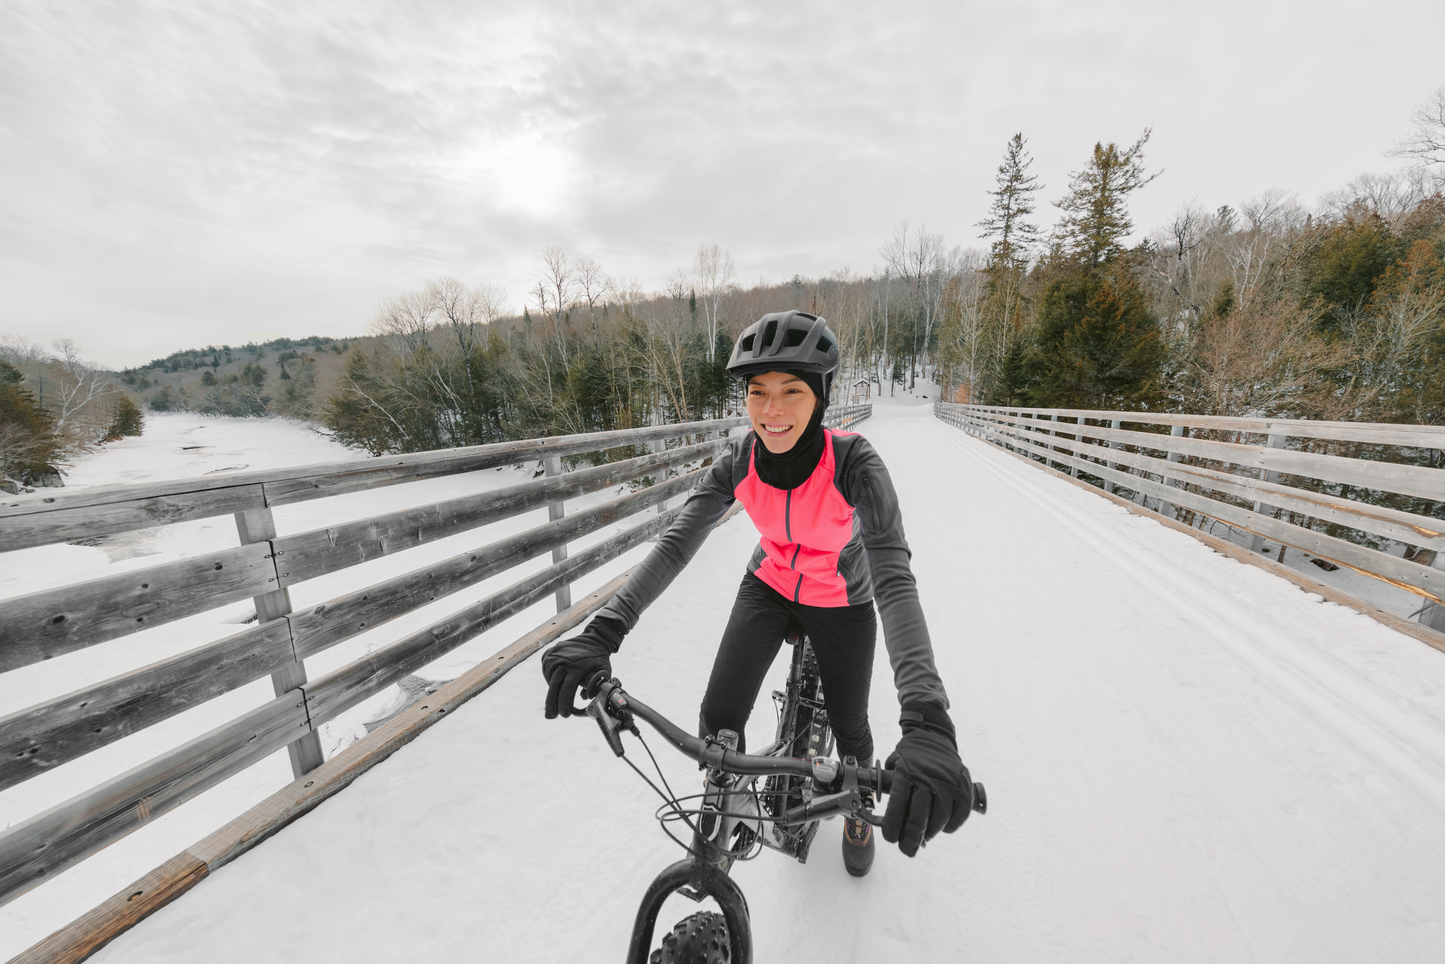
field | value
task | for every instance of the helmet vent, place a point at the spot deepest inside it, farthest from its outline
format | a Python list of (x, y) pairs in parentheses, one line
[(748, 343), (794, 338), (769, 333), (824, 345)]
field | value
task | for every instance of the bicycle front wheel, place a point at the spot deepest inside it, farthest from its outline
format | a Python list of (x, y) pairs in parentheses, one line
[(700, 938)]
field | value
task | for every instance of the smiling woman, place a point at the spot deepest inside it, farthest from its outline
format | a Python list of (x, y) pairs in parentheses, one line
[(832, 543)]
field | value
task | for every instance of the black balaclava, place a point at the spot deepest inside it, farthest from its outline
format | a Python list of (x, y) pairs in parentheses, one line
[(792, 468)]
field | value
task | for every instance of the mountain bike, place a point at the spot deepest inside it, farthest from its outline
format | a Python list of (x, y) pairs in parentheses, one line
[(734, 818)]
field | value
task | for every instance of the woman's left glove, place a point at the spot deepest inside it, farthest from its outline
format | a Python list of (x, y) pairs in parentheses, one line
[(931, 788), (572, 664)]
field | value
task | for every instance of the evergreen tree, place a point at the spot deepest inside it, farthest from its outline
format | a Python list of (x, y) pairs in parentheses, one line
[(1096, 217), (1013, 201), (1098, 344), (1004, 311), (29, 445), (127, 420)]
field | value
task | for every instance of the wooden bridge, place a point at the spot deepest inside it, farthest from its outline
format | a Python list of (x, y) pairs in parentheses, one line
[(1269, 480)]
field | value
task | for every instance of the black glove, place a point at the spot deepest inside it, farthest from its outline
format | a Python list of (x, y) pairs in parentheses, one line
[(574, 662), (931, 788)]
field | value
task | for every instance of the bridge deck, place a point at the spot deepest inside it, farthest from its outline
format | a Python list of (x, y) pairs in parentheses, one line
[(1187, 759)]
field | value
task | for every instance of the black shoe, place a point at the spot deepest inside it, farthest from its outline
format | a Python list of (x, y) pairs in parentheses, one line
[(857, 846)]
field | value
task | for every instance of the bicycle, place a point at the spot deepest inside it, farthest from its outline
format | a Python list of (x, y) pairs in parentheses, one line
[(733, 819)]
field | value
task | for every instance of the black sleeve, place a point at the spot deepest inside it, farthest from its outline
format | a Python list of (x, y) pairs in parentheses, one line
[(702, 510), (869, 489)]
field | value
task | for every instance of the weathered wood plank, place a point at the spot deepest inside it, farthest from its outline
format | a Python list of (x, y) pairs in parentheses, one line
[(37, 849), (56, 731), (337, 480), (345, 687), (89, 521), (356, 612), (1414, 480), (1373, 433), (1421, 580), (314, 481), (307, 555), (83, 937), (49, 623), (259, 525), (94, 930)]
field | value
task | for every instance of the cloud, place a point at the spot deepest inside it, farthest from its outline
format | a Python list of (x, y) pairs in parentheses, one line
[(181, 173)]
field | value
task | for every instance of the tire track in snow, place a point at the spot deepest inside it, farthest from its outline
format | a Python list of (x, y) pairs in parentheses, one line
[(1361, 715)]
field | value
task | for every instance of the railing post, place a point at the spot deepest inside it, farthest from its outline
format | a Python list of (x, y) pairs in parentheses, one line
[(552, 465), (1078, 444), (1053, 432), (1109, 486), (259, 525), (1434, 614), (1256, 542), (1167, 508)]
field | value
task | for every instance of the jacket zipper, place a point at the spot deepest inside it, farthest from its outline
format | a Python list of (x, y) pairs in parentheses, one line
[(788, 528)]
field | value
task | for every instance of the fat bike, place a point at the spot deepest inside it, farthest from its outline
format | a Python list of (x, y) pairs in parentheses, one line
[(770, 800)]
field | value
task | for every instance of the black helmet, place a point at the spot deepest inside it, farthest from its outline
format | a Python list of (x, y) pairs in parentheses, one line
[(785, 340)]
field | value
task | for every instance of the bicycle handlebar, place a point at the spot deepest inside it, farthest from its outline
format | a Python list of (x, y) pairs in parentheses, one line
[(613, 709)]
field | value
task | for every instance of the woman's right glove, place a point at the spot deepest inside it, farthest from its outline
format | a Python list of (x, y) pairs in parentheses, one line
[(573, 663), (931, 788)]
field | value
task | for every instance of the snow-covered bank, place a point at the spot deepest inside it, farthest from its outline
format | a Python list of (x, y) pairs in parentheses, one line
[(1187, 759), (184, 446)]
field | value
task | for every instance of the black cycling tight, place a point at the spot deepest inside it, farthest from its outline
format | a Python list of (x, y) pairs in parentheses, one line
[(843, 639)]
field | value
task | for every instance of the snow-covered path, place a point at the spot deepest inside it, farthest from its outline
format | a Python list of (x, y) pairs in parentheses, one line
[(1187, 759)]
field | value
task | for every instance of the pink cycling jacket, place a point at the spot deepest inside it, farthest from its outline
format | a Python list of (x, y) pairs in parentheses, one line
[(835, 540)]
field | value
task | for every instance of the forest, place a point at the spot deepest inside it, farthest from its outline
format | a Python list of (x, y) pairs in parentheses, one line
[(1271, 309)]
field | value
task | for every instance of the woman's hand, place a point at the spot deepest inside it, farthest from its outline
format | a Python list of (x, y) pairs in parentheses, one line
[(931, 789), (573, 663)]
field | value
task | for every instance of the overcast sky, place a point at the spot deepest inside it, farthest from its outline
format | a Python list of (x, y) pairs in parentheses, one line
[(177, 174)]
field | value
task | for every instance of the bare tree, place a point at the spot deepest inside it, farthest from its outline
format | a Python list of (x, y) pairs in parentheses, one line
[(406, 320), (595, 286), (713, 272), (78, 393), (1427, 144), (1390, 195), (917, 257), (556, 294), (1260, 360)]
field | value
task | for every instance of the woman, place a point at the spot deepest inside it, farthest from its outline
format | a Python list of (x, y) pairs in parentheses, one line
[(832, 543)]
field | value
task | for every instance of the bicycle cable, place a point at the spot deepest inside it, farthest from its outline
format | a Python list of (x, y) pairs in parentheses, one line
[(671, 810)]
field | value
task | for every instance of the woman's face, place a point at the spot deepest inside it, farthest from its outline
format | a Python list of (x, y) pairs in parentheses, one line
[(780, 406)]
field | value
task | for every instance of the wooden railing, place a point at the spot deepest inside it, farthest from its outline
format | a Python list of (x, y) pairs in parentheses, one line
[(1271, 478), (263, 568)]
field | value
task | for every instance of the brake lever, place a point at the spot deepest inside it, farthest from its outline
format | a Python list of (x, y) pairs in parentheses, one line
[(609, 709)]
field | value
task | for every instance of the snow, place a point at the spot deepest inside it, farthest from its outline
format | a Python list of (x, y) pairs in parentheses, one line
[(1187, 759)]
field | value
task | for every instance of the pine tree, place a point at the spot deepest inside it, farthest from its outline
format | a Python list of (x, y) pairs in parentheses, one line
[(126, 420), (1098, 345), (29, 445), (1013, 202), (1004, 310), (1096, 217)]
